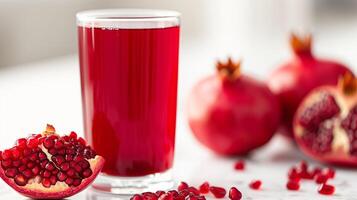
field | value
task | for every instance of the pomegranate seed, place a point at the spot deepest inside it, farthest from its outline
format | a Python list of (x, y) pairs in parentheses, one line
[(22, 168), (239, 165), (6, 155), (82, 141), (73, 135), (173, 193), (20, 180), (326, 189), (32, 142), (293, 173), (217, 192), (55, 171), (42, 156), (182, 186), (33, 157), (46, 182), (303, 165), (6, 163), (46, 174), (149, 196), (184, 193), (15, 153), (35, 170), (16, 163), (27, 173), (59, 144), (316, 171), (306, 175), (71, 172), (86, 173), (84, 164), (11, 173), (48, 143), (69, 181), (27, 152), (69, 157), (50, 166), (64, 166), (53, 151), (53, 180), (292, 185), (44, 163), (136, 197), (166, 196), (30, 165), (77, 182), (159, 193), (193, 190), (61, 151), (234, 194), (61, 176), (21, 142), (321, 178), (204, 188), (330, 173), (255, 185)]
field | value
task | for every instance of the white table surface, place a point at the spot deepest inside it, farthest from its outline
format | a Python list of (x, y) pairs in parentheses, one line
[(34, 94)]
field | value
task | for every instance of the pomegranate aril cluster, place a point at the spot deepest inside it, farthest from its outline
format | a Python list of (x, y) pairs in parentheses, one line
[(302, 172), (186, 192), (317, 134), (48, 159)]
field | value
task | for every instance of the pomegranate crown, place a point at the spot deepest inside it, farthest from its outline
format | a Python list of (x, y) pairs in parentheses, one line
[(348, 84), (228, 70), (301, 45)]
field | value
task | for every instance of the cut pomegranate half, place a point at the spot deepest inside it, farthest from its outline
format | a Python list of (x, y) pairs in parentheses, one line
[(49, 166), (325, 125)]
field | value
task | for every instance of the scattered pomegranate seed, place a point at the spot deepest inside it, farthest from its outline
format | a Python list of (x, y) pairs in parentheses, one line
[(293, 173), (217, 192), (316, 171), (204, 188), (149, 196), (255, 185), (330, 172), (159, 193), (182, 186), (321, 178), (234, 194), (136, 197), (239, 165), (193, 190), (303, 165), (292, 185), (326, 189), (166, 196)]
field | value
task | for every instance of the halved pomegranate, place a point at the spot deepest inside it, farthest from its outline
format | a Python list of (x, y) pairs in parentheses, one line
[(49, 166), (325, 125)]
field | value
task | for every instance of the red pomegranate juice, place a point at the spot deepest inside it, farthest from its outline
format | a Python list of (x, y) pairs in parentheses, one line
[(129, 90)]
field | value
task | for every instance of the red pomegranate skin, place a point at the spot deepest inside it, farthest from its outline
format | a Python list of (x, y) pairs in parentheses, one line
[(232, 117), (293, 80)]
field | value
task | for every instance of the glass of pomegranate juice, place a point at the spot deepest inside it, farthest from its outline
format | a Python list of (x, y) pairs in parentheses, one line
[(129, 68)]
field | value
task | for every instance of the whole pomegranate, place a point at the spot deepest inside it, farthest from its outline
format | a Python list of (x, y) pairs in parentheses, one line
[(297, 77), (325, 124), (232, 114), (49, 166)]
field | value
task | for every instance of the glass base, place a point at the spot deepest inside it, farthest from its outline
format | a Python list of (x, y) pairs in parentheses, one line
[(133, 185)]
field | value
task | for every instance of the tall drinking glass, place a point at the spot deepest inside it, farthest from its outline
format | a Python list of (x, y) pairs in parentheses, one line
[(129, 68)]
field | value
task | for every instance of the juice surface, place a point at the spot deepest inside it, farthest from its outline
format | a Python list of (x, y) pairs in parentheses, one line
[(129, 91)]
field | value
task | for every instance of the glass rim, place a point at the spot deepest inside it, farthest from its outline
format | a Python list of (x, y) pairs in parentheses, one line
[(126, 14)]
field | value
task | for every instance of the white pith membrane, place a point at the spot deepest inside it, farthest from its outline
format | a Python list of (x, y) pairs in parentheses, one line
[(340, 143), (35, 184)]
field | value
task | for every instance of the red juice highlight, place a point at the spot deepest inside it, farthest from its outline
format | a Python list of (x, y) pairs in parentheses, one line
[(129, 91)]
